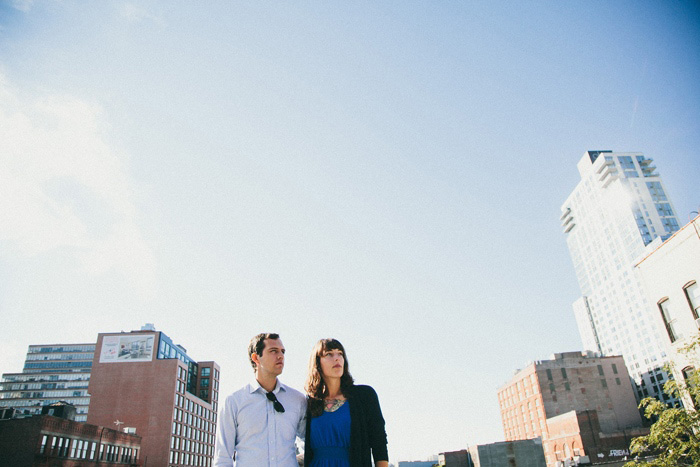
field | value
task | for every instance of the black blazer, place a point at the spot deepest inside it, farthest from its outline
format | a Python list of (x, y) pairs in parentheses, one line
[(367, 434)]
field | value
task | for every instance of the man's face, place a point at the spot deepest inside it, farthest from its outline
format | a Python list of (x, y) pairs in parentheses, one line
[(271, 362)]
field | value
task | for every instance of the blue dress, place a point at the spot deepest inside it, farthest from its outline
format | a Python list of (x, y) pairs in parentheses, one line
[(330, 438)]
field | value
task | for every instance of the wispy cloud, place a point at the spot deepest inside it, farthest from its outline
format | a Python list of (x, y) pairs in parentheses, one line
[(136, 14), (63, 186), (22, 5)]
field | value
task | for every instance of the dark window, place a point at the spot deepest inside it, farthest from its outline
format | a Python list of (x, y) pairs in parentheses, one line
[(549, 375), (600, 370), (563, 373), (614, 367)]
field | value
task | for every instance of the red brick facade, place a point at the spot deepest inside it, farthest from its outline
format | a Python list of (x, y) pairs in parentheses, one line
[(51, 441), (176, 426)]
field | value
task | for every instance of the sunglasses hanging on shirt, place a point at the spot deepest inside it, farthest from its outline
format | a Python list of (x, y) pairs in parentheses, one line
[(275, 403)]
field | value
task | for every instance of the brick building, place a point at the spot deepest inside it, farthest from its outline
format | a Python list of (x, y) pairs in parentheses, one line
[(577, 435), (570, 381), (45, 440), (144, 381)]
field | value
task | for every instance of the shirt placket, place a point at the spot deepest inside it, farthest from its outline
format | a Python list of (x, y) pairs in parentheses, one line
[(272, 434)]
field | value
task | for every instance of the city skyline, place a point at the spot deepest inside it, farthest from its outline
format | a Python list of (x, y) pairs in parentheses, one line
[(387, 174)]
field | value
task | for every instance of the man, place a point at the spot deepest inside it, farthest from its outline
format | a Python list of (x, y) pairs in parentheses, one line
[(259, 423)]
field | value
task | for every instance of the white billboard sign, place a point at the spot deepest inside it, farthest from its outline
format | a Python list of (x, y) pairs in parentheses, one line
[(127, 349)]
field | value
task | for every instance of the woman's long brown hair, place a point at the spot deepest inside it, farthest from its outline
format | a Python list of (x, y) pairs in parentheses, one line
[(315, 386)]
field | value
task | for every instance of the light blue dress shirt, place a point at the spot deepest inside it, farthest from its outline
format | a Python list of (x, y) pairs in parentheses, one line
[(254, 433)]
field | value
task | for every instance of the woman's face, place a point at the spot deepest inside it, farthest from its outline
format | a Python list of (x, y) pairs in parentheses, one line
[(332, 363)]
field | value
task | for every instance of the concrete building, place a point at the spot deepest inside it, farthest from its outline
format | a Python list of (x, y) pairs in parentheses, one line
[(570, 381), (671, 278), (45, 440), (142, 380), (618, 208), (52, 373), (522, 453), (454, 459)]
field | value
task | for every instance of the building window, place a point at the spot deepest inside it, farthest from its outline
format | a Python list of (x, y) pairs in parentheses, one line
[(688, 378), (669, 322), (692, 293), (563, 373), (600, 370), (614, 368), (657, 193), (670, 224), (549, 374), (43, 444), (603, 383)]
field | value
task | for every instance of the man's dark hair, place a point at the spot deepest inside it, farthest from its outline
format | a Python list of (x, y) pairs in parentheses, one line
[(257, 345)]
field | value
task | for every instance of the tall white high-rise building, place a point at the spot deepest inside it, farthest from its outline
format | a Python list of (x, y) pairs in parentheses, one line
[(618, 208)]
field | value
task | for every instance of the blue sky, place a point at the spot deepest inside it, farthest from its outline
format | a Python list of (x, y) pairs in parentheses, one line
[(387, 173)]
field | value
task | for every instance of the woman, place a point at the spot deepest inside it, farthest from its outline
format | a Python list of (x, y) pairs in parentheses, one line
[(344, 424)]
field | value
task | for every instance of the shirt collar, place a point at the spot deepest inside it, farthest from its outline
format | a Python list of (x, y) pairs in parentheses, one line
[(255, 386)]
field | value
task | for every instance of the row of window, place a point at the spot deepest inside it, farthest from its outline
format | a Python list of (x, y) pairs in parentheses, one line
[(185, 458), (63, 348), (192, 433), (167, 350), (191, 406), (193, 420), (59, 365), (45, 377), (692, 296), (61, 356), (68, 385), (42, 394), (58, 446), (191, 446)]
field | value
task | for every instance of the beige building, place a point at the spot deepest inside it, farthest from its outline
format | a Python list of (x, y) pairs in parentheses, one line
[(671, 278), (570, 381)]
